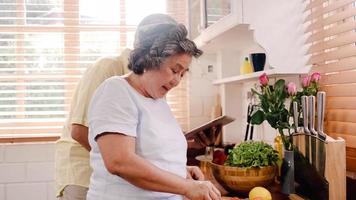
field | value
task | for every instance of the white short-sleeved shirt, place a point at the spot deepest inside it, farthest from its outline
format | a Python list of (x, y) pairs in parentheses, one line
[(117, 107), (72, 159)]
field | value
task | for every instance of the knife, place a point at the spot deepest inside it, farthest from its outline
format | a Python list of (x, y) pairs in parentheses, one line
[(305, 110), (295, 116), (321, 96), (312, 130), (321, 113), (295, 121), (248, 124)]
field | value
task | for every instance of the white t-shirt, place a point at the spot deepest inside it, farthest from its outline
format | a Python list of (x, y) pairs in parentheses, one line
[(117, 107)]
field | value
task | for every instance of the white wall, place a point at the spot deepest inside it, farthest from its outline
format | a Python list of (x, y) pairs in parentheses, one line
[(278, 27), (27, 171), (201, 90)]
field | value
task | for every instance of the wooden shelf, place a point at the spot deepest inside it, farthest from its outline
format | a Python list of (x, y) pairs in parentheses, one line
[(272, 73)]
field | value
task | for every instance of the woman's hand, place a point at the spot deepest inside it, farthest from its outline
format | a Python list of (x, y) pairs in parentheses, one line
[(202, 190), (195, 173)]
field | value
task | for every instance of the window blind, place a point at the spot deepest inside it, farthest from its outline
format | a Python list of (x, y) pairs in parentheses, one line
[(45, 47), (331, 26)]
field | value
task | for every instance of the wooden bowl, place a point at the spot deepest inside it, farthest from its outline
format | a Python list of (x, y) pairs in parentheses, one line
[(239, 179)]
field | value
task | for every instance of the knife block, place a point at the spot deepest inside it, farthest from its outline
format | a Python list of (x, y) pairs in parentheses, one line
[(335, 164)]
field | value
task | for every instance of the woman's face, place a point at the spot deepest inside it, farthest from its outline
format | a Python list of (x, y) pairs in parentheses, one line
[(157, 82)]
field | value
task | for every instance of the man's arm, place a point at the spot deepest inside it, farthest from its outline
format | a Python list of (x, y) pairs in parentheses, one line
[(80, 134)]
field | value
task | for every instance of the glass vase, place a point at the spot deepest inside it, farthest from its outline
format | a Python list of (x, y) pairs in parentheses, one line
[(287, 172)]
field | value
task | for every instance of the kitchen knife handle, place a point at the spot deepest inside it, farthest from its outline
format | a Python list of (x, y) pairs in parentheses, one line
[(312, 115), (295, 115), (321, 110), (305, 113)]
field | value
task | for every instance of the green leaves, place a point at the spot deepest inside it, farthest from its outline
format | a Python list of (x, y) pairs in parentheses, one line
[(272, 106), (252, 154), (258, 117), (280, 86)]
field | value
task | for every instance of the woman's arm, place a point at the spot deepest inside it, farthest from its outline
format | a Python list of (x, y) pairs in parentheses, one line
[(80, 134), (118, 152)]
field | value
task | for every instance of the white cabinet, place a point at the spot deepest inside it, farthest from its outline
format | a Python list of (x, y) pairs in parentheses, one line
[(222, 25), (230, 39), (204, 15)]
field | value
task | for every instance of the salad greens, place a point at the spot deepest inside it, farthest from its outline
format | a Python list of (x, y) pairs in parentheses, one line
[(252, 154)]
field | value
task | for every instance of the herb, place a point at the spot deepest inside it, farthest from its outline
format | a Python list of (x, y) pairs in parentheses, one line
[(252, 154)]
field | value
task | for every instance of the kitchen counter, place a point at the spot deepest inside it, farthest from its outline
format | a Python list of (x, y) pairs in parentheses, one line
[(275, 189)]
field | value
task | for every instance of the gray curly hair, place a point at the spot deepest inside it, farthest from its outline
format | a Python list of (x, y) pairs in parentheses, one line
[(159, 36)]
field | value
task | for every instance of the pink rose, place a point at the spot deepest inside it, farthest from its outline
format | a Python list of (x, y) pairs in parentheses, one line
[(292, 89), (306, 82), (315, 77), (263, 79)]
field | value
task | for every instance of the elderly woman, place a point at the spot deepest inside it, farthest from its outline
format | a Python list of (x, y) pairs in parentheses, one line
[(138, 150)]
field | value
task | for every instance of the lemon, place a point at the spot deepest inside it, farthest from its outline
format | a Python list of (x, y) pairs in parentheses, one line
[(259, 193)]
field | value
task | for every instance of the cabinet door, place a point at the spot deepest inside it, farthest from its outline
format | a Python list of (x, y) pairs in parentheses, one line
[(203, 13), (215, 10)]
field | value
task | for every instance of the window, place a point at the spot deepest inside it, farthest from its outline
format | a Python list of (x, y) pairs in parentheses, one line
[(332, 29), (46, 45)]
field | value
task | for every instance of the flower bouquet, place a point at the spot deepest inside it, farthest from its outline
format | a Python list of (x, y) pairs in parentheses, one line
[(273, 99)]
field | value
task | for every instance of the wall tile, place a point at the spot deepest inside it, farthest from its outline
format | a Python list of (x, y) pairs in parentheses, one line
[(1, 153), (12, 173), (2, 191), (50, 151), (51, 193), (40, 172), (26, 191), (26, 152)]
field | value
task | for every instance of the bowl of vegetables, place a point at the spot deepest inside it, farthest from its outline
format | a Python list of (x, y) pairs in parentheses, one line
[(249, 164)]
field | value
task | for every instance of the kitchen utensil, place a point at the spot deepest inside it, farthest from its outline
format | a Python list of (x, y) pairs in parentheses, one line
[(295, 140), (320, 130), (295, 116), (242, 179), (312, 130), (321, 112), (310, 183), (249, 126), (305, 105)]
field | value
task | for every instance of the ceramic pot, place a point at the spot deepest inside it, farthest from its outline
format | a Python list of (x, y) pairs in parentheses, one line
[(258, 61)]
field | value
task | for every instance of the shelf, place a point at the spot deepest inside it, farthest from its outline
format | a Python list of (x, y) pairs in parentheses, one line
[(214, 39), (226, 29), (272, 73)]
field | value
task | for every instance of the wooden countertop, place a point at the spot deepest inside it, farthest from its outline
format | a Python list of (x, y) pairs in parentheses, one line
[(291, 197), (275, 190)]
